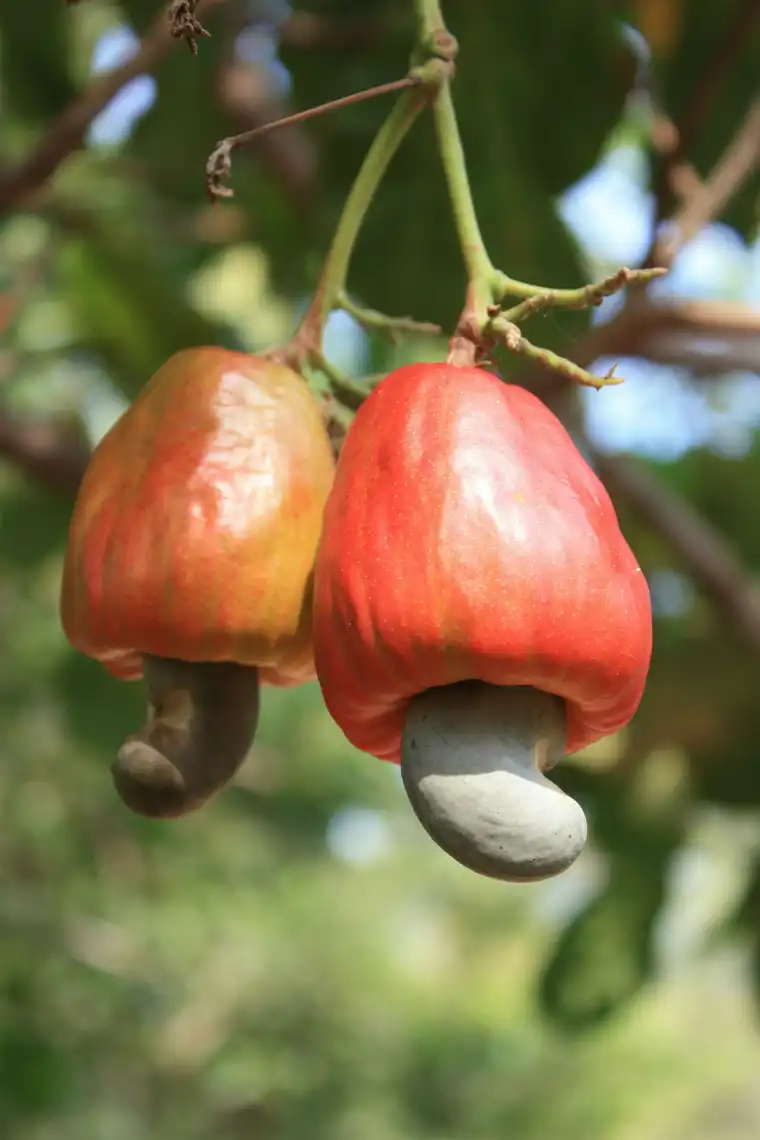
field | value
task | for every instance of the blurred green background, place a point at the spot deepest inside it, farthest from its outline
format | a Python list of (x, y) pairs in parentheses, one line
[(298, 961)]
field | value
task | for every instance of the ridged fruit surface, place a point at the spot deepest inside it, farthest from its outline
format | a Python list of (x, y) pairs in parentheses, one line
[(197, 522), (466, 538)]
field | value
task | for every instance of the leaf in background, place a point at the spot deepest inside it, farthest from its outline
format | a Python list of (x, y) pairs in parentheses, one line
[(140, 13), (745, 917), (176, 136), (34, 61), (638, 809), (745, 922), (33, 525), (130, 306), (37, 1077), (605, 955), (728, 775), (100, 711), (692, 60), (712, 482)]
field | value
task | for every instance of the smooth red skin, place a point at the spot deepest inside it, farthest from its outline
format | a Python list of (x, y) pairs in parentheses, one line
[(197, 522), (466, 538)]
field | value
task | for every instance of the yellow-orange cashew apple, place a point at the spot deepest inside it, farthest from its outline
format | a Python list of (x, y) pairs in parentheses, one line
[(190, 560)]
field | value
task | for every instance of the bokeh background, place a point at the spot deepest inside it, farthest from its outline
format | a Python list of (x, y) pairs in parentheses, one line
[(298, 961)]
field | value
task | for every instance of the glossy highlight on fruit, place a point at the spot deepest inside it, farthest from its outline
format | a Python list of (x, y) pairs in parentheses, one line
[(195, 530), (466, 540)]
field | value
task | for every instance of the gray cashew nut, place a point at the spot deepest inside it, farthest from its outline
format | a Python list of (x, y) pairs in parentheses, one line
[(472, 761), (202, 720)]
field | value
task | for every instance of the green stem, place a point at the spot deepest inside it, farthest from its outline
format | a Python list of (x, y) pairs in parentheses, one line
[(580, 298), (429, 18), (334, 272), (480, 270), (373, 321), (505, 332), (351, 393)]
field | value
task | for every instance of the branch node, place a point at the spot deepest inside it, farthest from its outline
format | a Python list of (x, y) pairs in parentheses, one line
[(442, 45)]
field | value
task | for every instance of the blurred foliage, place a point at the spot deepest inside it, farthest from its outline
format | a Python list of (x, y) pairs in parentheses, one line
[(298, 960), (684, 75)]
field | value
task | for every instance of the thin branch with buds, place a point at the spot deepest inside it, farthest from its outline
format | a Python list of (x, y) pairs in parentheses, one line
[(219, 164)]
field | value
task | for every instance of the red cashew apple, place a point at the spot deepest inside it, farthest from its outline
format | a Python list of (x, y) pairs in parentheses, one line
[(477, 611), (190, 560)]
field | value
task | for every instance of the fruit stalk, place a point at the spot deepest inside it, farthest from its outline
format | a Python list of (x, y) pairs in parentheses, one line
[(308, 338)]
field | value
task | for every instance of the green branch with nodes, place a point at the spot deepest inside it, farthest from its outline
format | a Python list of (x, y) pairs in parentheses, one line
[(483, 323), (495, 303)]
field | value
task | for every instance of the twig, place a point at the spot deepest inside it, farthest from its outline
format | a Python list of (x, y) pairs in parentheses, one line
[(678, 179), (502, 327), (676, 331), (705, 318), (740, 157), (66, 133), (639, 326), (246, 97), (373, 321), (739, 161), (585, 297), (219, 164), (502, 331)]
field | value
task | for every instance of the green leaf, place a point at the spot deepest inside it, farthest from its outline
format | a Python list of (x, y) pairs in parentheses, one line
[(33, 525), (605, 955), (129, 303), (100, 710), (710, 481), (34, 61), (36, 1073)]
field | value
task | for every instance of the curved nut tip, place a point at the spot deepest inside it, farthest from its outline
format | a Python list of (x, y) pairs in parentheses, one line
[(203, 717), (148, 783), (472, 763)]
